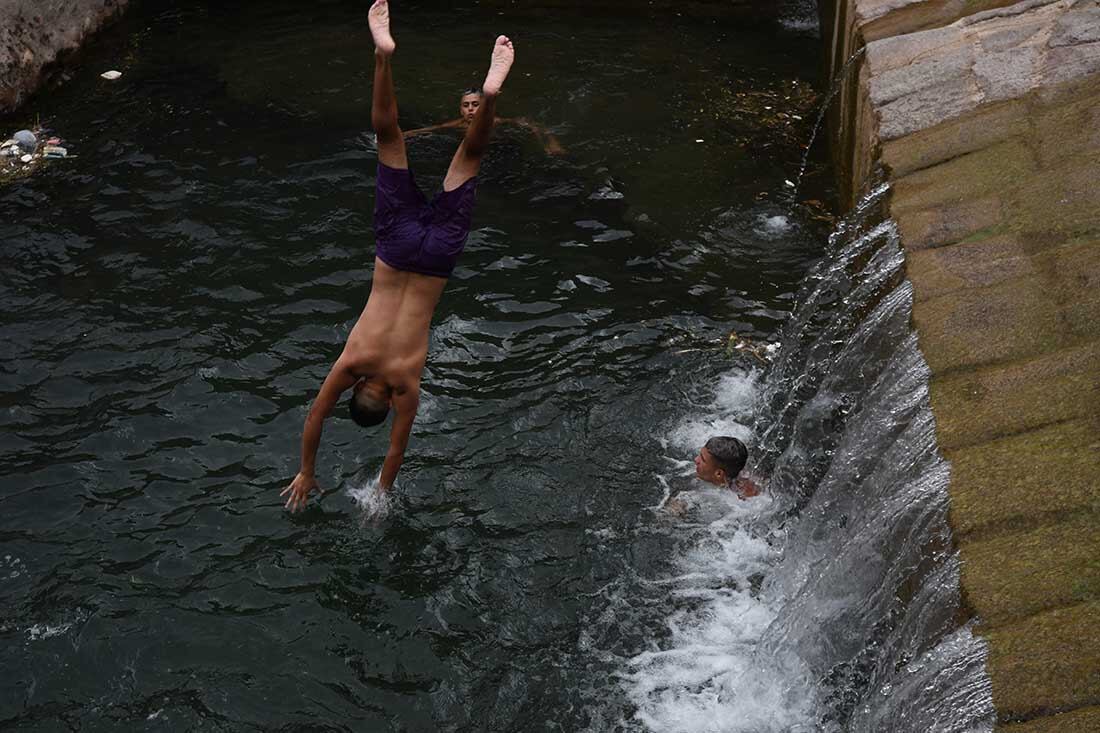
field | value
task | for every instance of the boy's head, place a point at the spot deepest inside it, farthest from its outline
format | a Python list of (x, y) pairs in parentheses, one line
[(720, 460), (469, 103), (369, 403)]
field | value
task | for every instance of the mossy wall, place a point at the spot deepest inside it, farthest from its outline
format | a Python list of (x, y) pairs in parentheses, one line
[(985, 117)]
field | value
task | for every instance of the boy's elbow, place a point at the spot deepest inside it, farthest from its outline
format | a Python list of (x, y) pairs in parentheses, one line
[(318, 413)]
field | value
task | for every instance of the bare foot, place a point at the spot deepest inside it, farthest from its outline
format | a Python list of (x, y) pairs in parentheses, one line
[(379, 19), (501, 62)]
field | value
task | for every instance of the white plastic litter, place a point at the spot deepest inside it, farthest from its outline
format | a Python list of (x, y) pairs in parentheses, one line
[(111, 75)]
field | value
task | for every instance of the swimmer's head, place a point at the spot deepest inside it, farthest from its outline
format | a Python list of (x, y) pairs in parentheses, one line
[(369, 403), (468, 104), (720, 460)]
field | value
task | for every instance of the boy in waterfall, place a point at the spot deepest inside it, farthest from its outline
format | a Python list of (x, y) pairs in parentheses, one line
[(417, 245), (720, 462)]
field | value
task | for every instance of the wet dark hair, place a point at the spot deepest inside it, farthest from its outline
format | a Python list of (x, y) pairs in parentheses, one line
[(729, 453), (471, 90), (367, 411)]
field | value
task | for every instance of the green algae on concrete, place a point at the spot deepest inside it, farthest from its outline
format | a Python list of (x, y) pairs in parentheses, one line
[(1034, 302), (1074, 272), (1065, 201), (1013, 574), (1084, 720), (1047, 663), (1073, 106), (974, 406), (991, 170), (948, 222), (925, 148), (1007, 483), (976, 263), (1010, 320)]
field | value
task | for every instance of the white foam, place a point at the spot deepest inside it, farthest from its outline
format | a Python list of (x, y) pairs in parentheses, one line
[(13, 566), (372, 500), (45, 631), (36, 632), (709, 674), (605, 193), (775, 225), (735, 398)]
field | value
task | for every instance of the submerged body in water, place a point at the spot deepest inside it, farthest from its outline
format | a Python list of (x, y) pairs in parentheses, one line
[(469, 104)]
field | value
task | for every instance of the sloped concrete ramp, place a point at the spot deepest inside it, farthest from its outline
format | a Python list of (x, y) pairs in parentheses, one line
[(988, 127)]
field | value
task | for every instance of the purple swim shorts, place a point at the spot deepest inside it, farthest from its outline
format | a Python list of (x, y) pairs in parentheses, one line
[(416, 235)]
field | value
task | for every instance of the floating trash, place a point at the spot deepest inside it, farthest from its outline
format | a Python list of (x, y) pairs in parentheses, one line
[(26, 140), (111, 75), (23, 155)]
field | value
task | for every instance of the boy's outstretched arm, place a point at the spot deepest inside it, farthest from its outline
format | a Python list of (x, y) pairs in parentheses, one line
[(432, 128), (405, 405), (547, 139), (339, 379)]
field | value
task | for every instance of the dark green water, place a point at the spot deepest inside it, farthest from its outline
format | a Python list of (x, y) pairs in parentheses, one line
[(172, 297)]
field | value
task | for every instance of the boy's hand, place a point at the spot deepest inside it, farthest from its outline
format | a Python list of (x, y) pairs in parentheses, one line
[(299, 490)]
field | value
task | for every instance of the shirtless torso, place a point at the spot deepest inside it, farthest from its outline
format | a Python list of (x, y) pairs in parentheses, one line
[(390, 340), (384, 353)]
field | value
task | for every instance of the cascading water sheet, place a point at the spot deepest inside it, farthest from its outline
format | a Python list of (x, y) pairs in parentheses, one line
[(830, 603)]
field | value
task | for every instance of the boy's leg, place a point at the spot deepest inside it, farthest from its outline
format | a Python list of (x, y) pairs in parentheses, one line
[(467, 160), (391, 144)]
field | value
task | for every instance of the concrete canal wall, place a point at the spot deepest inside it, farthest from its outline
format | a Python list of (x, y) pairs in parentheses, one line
[(34, 34), (985, 117)]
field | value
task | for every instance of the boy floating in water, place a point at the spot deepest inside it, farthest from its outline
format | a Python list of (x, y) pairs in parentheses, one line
[(468, 105), (417, 245), (720, 462)]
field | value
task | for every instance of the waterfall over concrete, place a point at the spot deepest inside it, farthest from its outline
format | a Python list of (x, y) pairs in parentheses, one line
[(833, 602)]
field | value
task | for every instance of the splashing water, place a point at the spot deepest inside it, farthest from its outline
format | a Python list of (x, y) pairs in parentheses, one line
[(831, 602), (773, 227), (374, 503)]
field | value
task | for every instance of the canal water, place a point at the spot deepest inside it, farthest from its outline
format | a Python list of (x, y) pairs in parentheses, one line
[(174, 294)]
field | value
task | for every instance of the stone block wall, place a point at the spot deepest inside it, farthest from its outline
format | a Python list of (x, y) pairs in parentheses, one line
[(35, 33), (985, 117)]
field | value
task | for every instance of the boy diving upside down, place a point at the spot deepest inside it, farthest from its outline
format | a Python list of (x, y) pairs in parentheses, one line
[(417, 245)]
